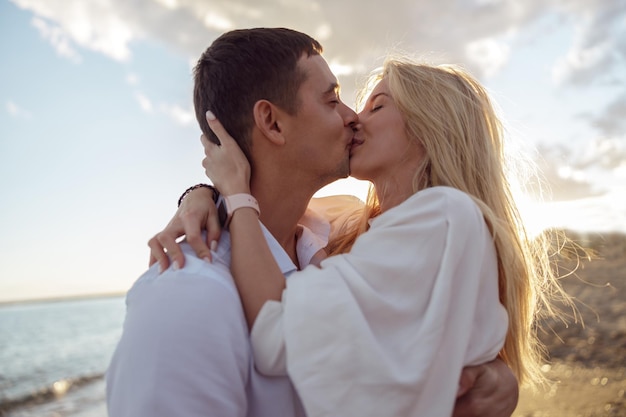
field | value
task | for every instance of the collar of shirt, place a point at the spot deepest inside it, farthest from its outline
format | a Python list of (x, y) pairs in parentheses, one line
[(314, 236), (309, 242)]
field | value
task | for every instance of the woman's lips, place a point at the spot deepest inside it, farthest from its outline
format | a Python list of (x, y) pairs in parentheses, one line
[(355, 142)]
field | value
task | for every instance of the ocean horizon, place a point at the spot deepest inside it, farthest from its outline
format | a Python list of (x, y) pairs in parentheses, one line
[(54, 354)]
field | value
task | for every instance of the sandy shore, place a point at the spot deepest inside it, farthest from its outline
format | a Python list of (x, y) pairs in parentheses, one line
[(588, 363), (86, 400)]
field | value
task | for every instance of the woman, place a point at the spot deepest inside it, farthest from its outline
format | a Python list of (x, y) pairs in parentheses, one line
[(385, 327)]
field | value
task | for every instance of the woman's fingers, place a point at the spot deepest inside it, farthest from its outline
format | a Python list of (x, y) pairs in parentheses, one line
[(173, 250), (209, 147), (225, 164), (157, 254), (220, 132), (194, 223), (163, 245), (214, 231)]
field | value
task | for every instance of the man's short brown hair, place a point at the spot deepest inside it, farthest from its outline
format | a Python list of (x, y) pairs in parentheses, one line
[(244, 66)]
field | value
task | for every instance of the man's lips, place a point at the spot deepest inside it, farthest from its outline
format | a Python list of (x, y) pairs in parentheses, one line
[(356, 142)]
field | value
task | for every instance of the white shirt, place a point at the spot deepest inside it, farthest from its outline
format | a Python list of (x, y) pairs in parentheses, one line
[(185, 349), (386, 329)]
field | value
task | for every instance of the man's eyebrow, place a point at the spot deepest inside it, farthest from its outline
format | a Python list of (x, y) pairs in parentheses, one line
[(332, 89)]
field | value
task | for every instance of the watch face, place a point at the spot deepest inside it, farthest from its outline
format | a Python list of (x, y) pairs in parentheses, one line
[(222, 211)]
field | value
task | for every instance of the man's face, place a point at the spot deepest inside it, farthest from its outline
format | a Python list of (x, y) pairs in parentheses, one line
[(320, 133)]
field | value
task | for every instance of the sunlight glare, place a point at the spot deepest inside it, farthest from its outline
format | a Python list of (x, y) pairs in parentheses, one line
[(346, 186)]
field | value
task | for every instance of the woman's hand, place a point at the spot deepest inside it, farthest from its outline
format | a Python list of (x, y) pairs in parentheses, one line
[(229, 169), (225, 164), (197, 212)]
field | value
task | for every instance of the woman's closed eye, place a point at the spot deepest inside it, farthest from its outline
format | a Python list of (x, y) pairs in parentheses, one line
[(377, 101)]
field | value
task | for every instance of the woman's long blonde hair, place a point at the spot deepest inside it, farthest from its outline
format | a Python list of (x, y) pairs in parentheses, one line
[(452, 117)]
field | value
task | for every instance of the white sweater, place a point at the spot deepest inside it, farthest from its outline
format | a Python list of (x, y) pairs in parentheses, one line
[(386, 329)]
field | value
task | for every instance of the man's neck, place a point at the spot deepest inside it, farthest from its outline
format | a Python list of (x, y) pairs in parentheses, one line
[(282, 206)]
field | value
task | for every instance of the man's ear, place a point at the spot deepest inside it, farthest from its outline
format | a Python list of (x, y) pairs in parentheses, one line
[(267, 118)]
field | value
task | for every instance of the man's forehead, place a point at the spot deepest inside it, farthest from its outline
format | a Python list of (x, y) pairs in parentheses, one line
[(317, 70)]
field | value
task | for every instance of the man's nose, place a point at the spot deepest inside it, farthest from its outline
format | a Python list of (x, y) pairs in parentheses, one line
[(350, 116)]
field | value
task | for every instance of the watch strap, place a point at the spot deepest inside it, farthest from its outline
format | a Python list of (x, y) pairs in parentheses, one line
[(237, 201), (227, 205)]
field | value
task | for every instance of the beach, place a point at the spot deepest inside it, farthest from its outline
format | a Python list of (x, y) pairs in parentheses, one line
[(81, 400), (587, 363), (53, 355)]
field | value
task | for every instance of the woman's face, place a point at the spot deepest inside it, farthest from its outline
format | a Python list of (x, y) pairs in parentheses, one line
[(381, 149)]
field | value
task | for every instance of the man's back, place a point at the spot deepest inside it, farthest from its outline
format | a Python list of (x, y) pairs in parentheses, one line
[(185, 348)]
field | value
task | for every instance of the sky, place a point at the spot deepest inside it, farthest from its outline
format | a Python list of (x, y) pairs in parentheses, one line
[(98, 137)]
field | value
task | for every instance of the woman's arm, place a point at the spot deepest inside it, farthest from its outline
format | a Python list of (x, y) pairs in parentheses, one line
[(256, 273), (254, 269), (196, 213)]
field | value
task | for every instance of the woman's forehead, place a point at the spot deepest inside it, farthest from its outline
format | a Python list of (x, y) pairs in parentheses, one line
[(382, 86)]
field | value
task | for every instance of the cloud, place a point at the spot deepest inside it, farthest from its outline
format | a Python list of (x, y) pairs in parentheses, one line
[(603, 156), (599, 45), (596, 57), (182, 116), (479, 34), (59, 40), (132, 79), (489, 53), (144, 102), (16, 111), (356, 34), (612, 121), (99, 26), (560, 182), (591, 168)]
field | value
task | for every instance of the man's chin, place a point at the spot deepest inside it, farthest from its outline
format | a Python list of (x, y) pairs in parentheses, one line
[(341, 171), (345, 171)]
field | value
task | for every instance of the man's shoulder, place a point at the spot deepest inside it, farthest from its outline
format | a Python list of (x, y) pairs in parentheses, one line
[(212, 279)]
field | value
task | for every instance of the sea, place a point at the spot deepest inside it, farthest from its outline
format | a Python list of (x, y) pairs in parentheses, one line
[(53, 356)]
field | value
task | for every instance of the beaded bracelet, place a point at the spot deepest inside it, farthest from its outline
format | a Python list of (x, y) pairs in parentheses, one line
[(216, 193)]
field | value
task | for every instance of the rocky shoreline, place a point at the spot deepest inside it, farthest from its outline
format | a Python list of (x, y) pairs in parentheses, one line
[(587, 357)]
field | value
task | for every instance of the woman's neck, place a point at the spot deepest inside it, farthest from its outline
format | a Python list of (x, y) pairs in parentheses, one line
[(391, 194)]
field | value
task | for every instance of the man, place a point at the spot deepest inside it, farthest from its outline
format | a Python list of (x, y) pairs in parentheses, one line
[(185, 349)]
